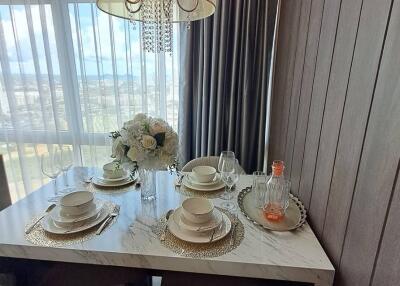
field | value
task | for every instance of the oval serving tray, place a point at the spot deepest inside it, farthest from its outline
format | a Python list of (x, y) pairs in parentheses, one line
[(295, 216)]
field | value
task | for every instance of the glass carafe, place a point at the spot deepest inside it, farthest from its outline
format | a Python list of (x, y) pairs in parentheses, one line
[(277, 196)]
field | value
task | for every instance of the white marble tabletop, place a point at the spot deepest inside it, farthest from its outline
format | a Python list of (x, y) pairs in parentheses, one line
[(293, 256)]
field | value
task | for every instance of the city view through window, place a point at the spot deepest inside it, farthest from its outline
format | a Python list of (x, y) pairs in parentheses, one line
[(70, 74)]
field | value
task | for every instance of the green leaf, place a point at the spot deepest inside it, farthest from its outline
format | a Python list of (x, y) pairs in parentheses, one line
[(115, 134)]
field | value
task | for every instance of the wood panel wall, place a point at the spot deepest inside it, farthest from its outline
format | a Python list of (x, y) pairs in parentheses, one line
[(335, 120)]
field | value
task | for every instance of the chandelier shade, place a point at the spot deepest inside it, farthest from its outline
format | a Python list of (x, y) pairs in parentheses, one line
[(171, 10), (157, 17)]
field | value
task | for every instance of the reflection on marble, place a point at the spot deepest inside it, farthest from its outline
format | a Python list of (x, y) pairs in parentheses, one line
[(294, 256)]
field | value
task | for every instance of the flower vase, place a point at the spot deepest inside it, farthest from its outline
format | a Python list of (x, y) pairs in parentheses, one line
[(148, 184)]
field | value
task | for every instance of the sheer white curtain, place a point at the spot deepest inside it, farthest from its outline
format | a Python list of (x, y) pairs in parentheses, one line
[(69, 74)]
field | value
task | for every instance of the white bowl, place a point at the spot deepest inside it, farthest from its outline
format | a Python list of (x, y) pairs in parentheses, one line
[(76, 203), (214, 222), (63, 220), (113, 170), (197, 210), (204, 174)]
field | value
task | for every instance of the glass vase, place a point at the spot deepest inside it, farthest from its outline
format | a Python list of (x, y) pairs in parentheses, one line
[(148, 184)]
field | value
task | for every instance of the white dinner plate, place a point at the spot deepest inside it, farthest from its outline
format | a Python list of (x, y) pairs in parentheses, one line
[(194, 182), (187, 183), (198, 237), (98, 182), (214, 222), (113, 180), (61, 219), (49, 225)]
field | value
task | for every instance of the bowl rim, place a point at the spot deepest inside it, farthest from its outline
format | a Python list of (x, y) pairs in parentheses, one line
[(211, 170), (205, 212), (87, 200), (106, 165)]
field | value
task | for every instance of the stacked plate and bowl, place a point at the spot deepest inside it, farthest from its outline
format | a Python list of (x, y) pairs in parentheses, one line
[(113, 176), (203, 178), (198, 221), (77, 211)]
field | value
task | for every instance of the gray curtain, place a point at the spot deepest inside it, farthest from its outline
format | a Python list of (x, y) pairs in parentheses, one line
[(224, 70)]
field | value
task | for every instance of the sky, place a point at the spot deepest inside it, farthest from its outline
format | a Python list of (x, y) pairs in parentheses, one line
[(83, 13)]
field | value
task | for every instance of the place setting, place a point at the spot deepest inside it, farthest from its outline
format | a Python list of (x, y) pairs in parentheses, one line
[(114, 177), (203, 181), (199, 229), (77, 217)]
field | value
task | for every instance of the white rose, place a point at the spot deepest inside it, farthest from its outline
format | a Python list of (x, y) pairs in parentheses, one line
[(171, 144), (133, 154), (148, 142), (118, 148), (157, 127), (128, 124), (139, 117), (124, 136)]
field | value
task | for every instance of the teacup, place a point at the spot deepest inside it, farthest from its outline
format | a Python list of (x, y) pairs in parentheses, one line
[(197, 210), (76, 203), (113, 170), (204, 174)]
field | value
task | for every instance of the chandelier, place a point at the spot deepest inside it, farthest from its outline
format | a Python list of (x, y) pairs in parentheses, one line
[(157, 17)]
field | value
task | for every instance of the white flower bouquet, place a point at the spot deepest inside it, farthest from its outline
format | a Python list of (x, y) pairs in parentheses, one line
[(148, 143)]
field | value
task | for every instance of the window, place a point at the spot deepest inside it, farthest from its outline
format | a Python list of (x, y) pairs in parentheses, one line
[(70, 74)]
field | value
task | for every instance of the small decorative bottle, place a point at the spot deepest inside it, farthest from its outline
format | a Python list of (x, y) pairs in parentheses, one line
[(277, 195)]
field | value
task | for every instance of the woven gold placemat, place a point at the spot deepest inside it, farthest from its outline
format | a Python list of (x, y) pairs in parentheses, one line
[(39, 236), (202, 250)]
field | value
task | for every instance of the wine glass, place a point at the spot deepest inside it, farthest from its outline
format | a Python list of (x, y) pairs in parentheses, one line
[(230, 176), (50, 167), (224, 155), (66, 161)]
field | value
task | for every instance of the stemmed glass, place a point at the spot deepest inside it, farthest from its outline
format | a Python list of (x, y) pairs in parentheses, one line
[(225, 155), (66, 161), (230, 176), (50, 166)]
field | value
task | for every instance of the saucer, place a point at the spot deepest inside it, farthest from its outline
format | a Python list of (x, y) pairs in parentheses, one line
[(195, 186), (98, 182), (57, 216), (113, 180), (50, 226), (199, 237), (215, 221), (194, 182)]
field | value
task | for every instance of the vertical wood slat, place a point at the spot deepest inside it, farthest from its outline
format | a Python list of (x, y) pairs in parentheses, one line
[(377, 166), (388, 263), (286, 31), (296, 83), (311, 52), (367, 53), (344, 146), (322, 71), (335, 99), (291, 54)]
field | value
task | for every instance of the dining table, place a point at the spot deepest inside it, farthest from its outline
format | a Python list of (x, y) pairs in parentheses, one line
[(130, 242)]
